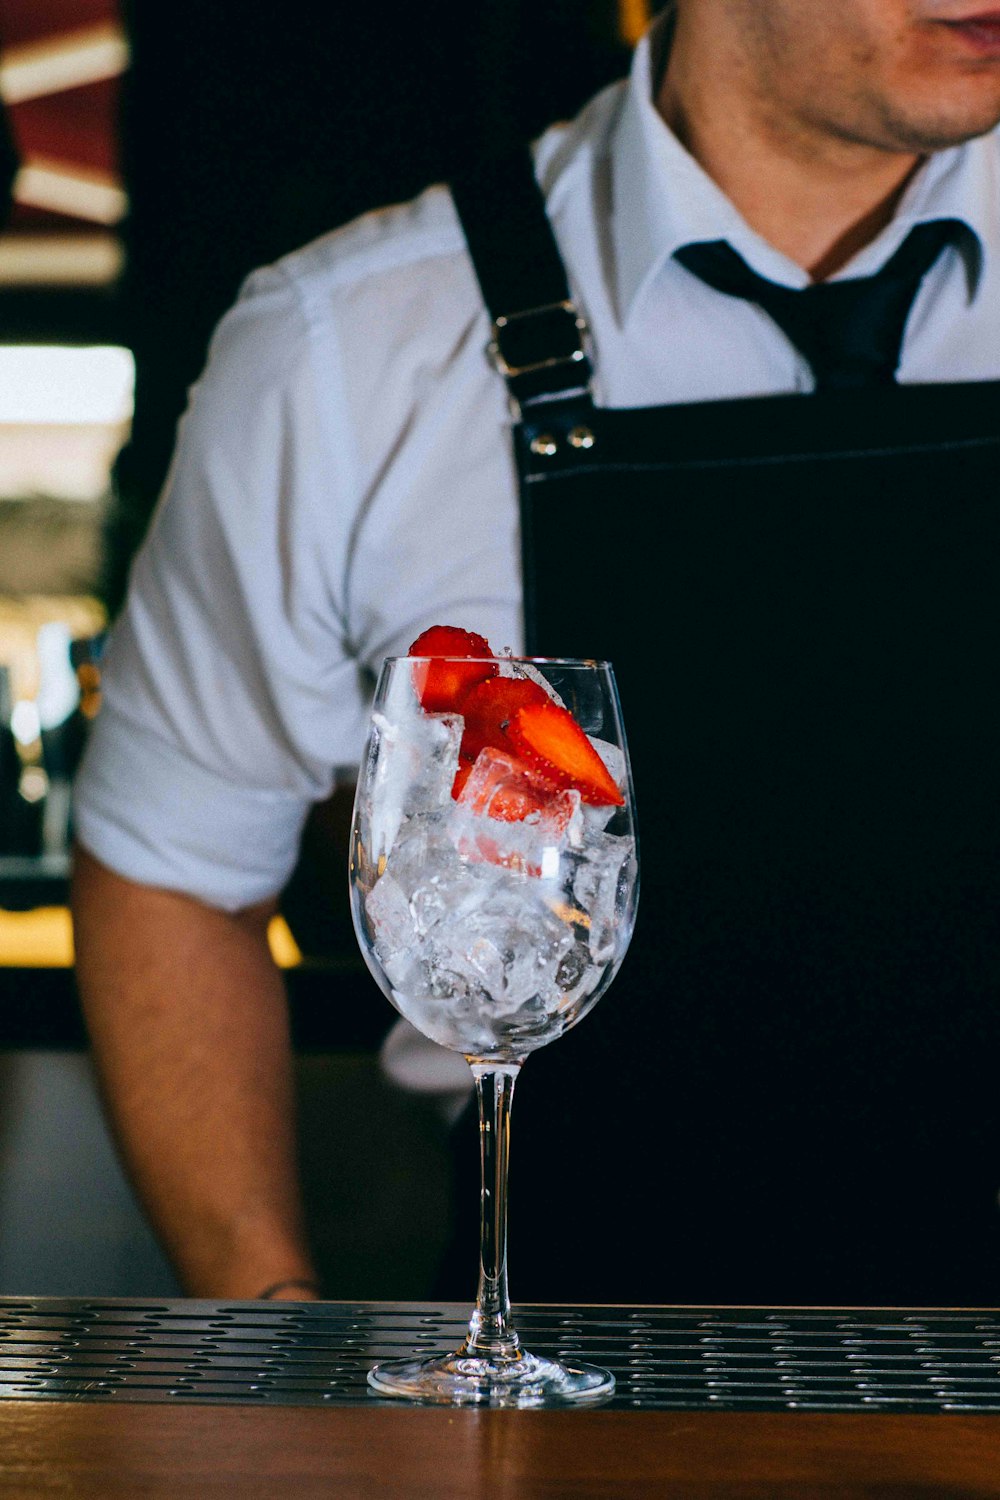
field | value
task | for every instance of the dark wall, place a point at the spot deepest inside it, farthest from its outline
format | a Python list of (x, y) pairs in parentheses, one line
[(249, 129)]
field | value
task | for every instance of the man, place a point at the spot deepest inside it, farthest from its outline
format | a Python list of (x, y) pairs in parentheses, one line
[(784, 538)]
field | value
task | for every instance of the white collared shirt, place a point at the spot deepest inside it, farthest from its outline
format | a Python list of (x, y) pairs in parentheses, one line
[(344, 476)]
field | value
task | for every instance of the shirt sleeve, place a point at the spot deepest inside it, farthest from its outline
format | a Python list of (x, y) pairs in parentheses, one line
[(231, 693)]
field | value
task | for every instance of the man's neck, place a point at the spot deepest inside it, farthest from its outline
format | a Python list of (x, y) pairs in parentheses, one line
[(816, 198)]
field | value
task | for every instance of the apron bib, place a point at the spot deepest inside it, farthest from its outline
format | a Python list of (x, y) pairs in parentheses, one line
[(788, 1093)]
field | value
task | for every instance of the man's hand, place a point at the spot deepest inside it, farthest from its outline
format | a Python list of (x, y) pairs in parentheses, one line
[(189, 1025)]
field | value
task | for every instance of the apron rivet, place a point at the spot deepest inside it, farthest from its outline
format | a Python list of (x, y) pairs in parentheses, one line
[(544, 445), (581, 437)]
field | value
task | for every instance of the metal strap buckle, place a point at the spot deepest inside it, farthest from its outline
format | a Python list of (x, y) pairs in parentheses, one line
[(510, 370)]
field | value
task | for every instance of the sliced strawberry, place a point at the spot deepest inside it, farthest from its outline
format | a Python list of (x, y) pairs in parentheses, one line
[(550, 740), (499, 786), (502, 790), (450, 640), (489, 706), (512, 804), (441, 685)]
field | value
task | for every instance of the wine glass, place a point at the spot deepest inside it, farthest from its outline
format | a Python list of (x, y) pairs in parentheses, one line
[(494, 881)]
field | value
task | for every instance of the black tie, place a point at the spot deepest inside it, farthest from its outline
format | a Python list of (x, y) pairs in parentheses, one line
[(851, 332)]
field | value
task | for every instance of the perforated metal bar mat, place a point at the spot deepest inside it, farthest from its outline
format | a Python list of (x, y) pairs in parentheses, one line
[(315, 1354)]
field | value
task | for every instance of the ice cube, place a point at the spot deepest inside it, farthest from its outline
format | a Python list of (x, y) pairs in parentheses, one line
[(614, 759), (481, 950), (431, 871), (598, 817), (388, 912), (502, 787), (524, 669), (517, 819), (537, 947), (470, 950), (501, 941), (603, 885), (416, 757), (572, 966), (405, 973), (496, 976)]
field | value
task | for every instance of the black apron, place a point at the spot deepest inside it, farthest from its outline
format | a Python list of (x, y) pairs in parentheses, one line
[(789, 1093)]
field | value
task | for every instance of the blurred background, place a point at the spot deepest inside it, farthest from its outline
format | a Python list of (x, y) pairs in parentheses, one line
[(150, 157)]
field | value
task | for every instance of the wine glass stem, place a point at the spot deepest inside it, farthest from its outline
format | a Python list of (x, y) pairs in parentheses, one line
[(491, 1333)]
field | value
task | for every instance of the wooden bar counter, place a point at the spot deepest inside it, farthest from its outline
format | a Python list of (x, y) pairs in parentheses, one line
[(95, 1452)]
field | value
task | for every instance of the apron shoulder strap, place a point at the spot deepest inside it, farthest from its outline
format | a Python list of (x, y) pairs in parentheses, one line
[(538, 332)]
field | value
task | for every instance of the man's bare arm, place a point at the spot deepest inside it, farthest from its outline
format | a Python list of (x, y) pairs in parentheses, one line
[(189, 1025)]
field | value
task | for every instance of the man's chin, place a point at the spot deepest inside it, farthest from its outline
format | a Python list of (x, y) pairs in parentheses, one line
[(937, 129), (951, 106)]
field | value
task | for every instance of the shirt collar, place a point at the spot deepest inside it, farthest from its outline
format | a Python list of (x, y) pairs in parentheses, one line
[(663, 199)]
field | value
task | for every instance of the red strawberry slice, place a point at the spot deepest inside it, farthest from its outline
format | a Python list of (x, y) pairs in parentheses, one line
[(498, 789), (512, 804), (441, 685), (550, 740), (505, 789), (501, 787), (488, 708)]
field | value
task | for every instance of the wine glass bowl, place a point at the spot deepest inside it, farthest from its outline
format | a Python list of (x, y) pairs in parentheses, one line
[(494, 881)]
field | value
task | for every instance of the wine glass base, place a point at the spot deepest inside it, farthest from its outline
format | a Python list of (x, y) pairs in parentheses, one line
[(463, 1379)]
